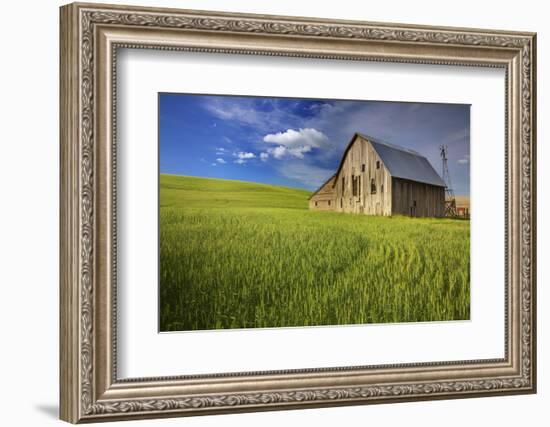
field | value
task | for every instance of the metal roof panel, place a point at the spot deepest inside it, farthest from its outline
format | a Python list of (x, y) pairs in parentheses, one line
[(405, 163)]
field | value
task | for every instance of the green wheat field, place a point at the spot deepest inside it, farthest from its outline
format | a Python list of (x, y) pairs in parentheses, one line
[(245, 255)]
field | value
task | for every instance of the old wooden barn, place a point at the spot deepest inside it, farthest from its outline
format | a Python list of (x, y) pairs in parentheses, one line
[(378, 178)]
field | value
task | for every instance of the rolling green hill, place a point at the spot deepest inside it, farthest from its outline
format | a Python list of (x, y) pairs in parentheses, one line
[(241, 255), (223, 193)]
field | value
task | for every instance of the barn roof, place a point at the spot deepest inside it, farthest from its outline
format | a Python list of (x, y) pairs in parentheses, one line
[(401, 162)]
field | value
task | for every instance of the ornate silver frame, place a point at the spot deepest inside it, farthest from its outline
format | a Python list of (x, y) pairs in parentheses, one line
[(90, 36)]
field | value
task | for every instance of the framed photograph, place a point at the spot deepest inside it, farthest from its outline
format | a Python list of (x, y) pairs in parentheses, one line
[(266, 212)]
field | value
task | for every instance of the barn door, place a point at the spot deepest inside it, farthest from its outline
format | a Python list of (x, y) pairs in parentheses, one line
[(413, 208)]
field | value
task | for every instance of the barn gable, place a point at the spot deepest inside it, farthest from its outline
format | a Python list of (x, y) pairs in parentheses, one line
[(363, 183)]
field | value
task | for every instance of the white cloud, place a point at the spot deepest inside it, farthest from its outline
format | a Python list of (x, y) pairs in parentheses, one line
[(264, 157), (299, 151), (213, 164), (244, 155), (295, 143), (278, 152), (298, 138), (464, 160), (281, 151), (220, 160)]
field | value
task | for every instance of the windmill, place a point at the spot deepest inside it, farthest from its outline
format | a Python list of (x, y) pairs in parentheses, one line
[(450, 202)]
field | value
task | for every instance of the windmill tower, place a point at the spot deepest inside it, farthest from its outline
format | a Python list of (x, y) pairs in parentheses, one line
[(450, 202)]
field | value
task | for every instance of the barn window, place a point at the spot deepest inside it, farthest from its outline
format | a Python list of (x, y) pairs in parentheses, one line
[(354, 185), (341, 202), (329, 202), (315, 203), (382, 188), (359, 186), (363, 167), (372, 186), (343, 184), (378, 164)]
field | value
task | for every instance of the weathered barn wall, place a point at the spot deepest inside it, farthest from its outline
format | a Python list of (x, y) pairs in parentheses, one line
[(363, 184), (323, 199), (417, 199)]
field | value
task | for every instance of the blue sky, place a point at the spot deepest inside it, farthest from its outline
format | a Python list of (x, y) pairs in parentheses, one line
[(299, 142)]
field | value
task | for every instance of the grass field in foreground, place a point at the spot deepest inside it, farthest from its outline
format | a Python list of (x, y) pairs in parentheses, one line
[(244, 255)]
